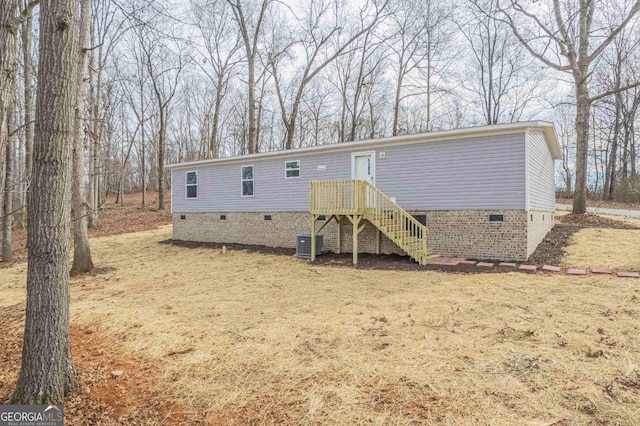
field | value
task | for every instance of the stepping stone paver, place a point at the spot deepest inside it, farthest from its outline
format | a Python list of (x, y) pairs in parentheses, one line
[(549, 268), (454, 261), (531, 268), (440, 261)]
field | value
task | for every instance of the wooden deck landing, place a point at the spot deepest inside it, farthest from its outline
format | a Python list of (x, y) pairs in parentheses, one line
[(360, 201)]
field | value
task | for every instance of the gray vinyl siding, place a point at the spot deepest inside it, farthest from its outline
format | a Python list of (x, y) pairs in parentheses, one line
[(541, 171), (473, 173)]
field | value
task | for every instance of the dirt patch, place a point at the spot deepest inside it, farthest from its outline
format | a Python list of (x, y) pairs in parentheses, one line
[(132, 397), (591, 220), (99, 270), (239, 247)]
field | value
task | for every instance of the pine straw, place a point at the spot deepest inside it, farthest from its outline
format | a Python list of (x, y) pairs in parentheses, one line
[(611, 248), (250, 338)]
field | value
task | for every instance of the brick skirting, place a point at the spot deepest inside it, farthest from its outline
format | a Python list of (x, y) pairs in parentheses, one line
[(462, 233)]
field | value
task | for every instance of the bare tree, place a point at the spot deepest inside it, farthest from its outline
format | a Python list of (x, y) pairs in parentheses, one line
[(358, 79), (562, 39), (9, 185), (321, 45), (618, 64), (499, 76), (414, 25), (369, 62), (9, 23), (317, 113), (47, 374), (221, 43), (165, 64), (27, 36), (250, 23), (10, 19), (104, 34), (82, 261), (565, 129), (135, 78)]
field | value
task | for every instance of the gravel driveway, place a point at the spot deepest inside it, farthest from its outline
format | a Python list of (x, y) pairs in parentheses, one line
[(601, 210)]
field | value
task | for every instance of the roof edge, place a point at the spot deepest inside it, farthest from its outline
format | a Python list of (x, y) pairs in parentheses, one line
[(546, 126)]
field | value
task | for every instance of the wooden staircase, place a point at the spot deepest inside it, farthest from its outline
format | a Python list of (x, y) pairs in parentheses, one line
[(360, 200)]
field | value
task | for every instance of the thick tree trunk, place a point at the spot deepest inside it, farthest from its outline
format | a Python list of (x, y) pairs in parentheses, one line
[(583, 104), (82, 261), (290, 126), (47, 375)]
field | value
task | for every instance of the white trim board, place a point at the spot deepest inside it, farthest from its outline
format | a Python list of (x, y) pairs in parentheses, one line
[(470, 132)]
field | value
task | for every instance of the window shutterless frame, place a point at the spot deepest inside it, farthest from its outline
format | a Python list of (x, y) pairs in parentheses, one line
[(244, 180), (292, 166), (193, 184)]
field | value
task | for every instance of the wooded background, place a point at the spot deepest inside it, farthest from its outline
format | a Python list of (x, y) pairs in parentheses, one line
[(172, 81)]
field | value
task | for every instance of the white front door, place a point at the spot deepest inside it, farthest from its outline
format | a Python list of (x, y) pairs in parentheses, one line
[(363, 166)]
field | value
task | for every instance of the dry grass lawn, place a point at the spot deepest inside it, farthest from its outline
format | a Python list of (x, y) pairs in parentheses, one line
[(247, 338), (611, 248)]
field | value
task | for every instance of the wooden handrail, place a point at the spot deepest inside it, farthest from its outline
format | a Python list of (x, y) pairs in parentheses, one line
[(360, 197), (386, 198), (341, 196)]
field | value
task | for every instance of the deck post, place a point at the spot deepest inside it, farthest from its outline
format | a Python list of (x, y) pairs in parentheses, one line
[(356, 231), (378, 241), (424, 248), (339, 220), (313, 237)]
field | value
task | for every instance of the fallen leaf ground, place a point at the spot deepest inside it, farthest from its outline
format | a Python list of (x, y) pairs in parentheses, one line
[(114, 219), (250, 338)]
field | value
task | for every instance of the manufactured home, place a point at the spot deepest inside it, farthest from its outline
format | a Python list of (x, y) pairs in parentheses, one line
[(483, 192)]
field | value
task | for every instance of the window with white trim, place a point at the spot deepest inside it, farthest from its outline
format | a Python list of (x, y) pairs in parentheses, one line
[(247, 181), (292, 169), (192, 184)]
